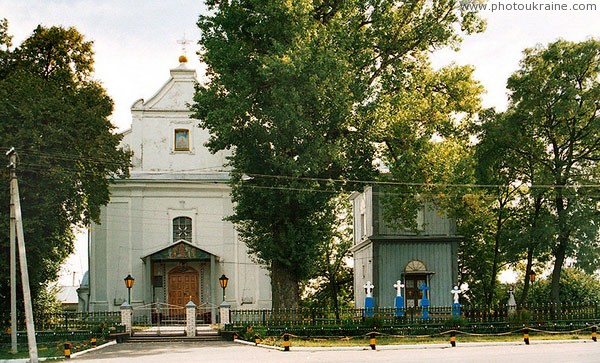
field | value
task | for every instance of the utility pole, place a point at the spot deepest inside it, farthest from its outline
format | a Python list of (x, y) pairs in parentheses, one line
[(13, 268), (16, 209)]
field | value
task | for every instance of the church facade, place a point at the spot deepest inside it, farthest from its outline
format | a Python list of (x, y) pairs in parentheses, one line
[(384, 255), (164, 225)]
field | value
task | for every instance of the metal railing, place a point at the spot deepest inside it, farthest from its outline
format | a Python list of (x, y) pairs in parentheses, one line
[(68, 321), (437, 314)]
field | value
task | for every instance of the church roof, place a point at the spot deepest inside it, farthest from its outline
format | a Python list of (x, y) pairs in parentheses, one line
[(180, 250)]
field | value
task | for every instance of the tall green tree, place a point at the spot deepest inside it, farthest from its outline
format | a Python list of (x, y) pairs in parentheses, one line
[(555, 100), (56, 116), (291, 91)]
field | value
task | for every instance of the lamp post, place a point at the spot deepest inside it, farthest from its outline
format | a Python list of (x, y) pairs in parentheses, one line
[(129, 284), (532, 277), (223, 282)]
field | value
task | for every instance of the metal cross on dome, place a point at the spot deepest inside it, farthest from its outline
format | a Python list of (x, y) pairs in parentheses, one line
[(184, 42), (399, 286)]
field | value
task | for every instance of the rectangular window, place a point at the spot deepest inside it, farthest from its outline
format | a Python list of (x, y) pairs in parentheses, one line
[(182, 140)]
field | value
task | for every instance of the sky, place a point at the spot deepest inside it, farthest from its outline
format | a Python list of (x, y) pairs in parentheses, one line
[(135, 44)]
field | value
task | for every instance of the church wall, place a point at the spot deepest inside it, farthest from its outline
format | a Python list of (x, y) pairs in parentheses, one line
[(98, 264), (157, 151), (363, 272), (140, 216)]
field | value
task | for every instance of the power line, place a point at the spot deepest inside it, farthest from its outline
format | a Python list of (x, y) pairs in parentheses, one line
[(32, 166)]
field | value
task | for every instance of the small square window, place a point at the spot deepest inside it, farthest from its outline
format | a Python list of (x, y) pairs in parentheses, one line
[(182, 140)]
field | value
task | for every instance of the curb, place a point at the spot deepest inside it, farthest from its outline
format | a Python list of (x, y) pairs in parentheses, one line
[(413, 346), (43, 359), (108, 344)]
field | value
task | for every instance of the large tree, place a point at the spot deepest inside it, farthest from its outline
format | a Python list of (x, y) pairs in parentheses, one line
[(291, 91), (56, 116), (555, 112)]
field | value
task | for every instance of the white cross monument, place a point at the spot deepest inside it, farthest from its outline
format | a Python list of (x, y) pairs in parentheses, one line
[(399, 286), (455, 292), (369, 288)]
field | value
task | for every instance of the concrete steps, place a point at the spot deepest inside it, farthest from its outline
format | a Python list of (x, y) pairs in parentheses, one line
[(174, 334)]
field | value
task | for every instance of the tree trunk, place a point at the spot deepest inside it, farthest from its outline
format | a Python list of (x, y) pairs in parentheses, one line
[(334, 297), (561, 247), (492, 285), (533, 242), (495, 262), (526, 279), (284, 287), (558, 263)]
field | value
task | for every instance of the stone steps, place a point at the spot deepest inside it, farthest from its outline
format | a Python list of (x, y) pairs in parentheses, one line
[(174, 334), (174, 338)]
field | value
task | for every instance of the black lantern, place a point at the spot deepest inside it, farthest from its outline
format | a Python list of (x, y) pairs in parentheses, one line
[(532, 276), (129, 284), (223, 282)]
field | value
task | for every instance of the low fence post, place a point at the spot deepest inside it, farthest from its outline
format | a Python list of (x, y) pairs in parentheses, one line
[(126, 315), (372, 341), (190, 319), (67, 349), (224, 317), (286, 342)]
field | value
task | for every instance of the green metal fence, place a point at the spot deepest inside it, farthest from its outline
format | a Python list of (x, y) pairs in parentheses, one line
[(390, 316), (66, 321)]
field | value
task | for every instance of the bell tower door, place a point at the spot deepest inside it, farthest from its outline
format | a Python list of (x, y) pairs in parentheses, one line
[(413, 293), (183, 286)]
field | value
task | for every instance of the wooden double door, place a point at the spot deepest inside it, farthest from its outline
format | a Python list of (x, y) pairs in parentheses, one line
[(184, 285)]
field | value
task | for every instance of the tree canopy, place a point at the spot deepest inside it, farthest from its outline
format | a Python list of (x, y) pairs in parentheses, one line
[(538, 163), (555, 105), (294, 91), (56, 116)]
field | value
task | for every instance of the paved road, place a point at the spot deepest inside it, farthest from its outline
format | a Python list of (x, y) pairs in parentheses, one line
[(581, 351)]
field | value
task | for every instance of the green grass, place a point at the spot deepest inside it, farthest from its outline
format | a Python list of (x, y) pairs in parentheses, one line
[(383, 340), (46, 350)]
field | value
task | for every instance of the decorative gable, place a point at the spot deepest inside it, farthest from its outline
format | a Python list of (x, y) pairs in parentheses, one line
[(173, 95), (181, 250)]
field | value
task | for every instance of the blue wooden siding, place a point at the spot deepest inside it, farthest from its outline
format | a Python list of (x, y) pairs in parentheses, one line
[(363, 272), (434, 223), (391, 259)]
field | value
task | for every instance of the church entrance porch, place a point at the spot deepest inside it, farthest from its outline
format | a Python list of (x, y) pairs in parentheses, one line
[(180, 273)]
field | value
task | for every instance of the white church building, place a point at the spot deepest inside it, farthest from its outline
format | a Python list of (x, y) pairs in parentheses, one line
[(164, 225)]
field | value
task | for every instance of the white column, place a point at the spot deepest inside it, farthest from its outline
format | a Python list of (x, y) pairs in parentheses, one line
[(224, 314)]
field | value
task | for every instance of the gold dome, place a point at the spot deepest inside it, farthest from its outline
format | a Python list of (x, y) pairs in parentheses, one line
[(183, 59)]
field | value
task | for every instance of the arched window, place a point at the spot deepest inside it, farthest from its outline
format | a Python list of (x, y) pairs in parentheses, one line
[(182, 229)]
